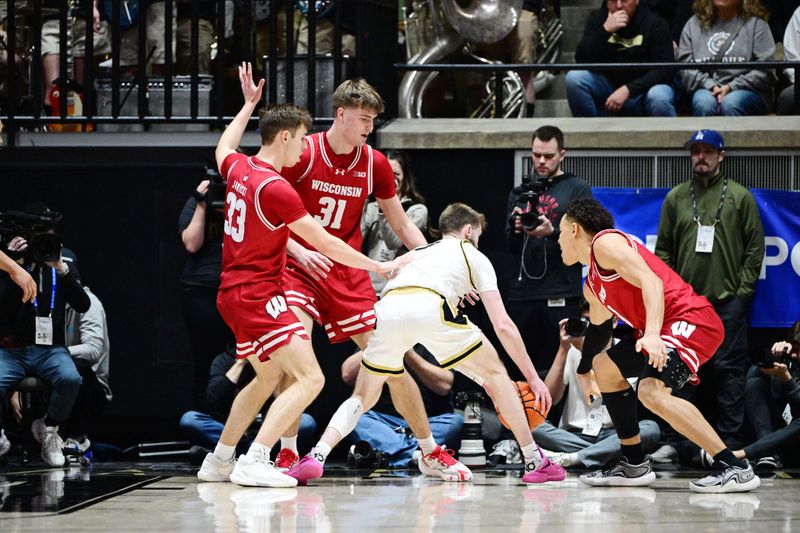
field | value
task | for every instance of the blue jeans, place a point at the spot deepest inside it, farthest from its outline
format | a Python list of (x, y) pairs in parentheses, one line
[(739, 103), (587, 93), (593, 452), (51, 364), (389, 434), (203, 430)]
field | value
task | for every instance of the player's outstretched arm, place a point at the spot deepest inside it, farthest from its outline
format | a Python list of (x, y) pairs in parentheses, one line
[(511, 340), (232, 136), (310, 231)]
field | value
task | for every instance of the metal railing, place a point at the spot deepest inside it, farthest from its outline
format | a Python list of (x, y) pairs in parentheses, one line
[(502, 67), (31, 53)]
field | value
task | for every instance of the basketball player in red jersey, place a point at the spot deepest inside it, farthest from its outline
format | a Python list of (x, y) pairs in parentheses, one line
[(261, 209), (675, 332), (335, 175)]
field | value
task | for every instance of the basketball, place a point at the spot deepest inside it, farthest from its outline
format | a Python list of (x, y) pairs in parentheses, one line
[(534, 416)]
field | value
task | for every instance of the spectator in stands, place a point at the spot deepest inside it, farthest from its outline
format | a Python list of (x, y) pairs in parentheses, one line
[(585, 437), (206, 13), (621, 31), (388, 432), (772, 404), (791, 52), (153, 15), (200, 227), (730, 32), (87, 341), (227, 378), (380, 241), (32, 340), (710, 233)]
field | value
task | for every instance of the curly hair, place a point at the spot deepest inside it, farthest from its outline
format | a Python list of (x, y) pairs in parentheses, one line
[(707, 14), (590, 214)]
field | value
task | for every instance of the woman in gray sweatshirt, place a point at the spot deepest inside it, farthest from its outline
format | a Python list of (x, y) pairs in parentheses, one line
[(729, 92)]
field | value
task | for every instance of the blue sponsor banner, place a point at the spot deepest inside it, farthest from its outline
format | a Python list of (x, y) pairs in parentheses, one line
[(777, 299)]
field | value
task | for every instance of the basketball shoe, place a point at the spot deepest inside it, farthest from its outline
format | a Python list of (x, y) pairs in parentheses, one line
[(285, 460), (727, 479), (51, 442), (547, 471), (214, 469), (254, 469), (441, 463), (622, 474), (309, 467)]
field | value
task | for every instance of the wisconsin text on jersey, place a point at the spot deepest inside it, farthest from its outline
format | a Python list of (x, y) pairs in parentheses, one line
[(343, 190)]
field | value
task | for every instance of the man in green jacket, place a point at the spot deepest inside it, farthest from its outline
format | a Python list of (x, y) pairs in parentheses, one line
[(710, 233)]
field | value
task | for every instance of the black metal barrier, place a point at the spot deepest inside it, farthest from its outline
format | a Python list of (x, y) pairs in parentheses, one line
[(503, 67), (122, 80)]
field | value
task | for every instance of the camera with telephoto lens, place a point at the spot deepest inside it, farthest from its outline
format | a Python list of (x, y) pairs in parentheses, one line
[(576, 326), (217, 187), (36, 229), (529, 191), (767, 359)]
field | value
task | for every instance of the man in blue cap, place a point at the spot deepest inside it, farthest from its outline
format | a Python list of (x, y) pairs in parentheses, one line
[(710, 233)]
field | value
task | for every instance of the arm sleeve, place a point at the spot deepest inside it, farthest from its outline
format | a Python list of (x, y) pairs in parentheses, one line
[(280, 203), (763, 50), (691, 79), (753, 237), (92, 326), (659, 49), (382, 177), (665, 245)]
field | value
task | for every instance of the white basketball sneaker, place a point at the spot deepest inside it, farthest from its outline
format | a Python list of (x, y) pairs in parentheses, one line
[(441, 463), (215, 469), (256, 470)]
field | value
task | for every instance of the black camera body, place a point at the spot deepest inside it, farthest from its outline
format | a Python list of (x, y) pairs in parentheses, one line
[(576, 326), (43, 245), (767, 359), (529, 191), (217, 187)]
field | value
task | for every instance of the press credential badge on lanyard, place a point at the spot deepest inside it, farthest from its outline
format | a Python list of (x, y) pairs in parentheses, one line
[(705, 234), (44, 324)]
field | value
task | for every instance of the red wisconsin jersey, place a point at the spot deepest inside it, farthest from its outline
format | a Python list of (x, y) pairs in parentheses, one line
[(625, 300), (258, 205), (334, 188)]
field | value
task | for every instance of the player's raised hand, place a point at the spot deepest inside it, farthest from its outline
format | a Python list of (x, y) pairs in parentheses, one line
[(251, 91), (654, 346)]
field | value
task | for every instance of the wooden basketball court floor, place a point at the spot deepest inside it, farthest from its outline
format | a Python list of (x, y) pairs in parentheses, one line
[(153, 497)]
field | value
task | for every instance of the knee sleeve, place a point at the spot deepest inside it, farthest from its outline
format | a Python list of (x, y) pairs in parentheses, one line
[(345, 418), (621, 407)]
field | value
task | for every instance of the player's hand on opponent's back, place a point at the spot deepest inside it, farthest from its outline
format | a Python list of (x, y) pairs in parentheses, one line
[(654, 346), (389, 269), (313, 262), (472, 297), (540, 391), (250, 91)]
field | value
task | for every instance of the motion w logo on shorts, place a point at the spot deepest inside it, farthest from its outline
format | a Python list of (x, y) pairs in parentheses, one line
[(276, 306), (684, 329)]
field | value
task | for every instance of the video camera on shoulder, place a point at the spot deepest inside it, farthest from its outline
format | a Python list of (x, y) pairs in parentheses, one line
[(36, 229), (217, 186), (529, 191)]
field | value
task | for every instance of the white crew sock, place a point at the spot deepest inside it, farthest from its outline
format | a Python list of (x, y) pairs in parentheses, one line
[(223, 452), (289, 443), (258, 452), (320, 452), (531, 453), (427, 445)]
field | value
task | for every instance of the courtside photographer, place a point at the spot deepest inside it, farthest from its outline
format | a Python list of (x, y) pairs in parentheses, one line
[(32, 332)]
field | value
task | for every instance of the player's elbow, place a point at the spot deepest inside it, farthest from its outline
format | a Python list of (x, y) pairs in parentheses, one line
[(505, 327)]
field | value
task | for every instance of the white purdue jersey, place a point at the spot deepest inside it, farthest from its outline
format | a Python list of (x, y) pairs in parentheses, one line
[(450, 267)]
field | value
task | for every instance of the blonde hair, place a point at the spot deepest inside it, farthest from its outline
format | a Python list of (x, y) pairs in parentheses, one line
[(707, 14), (357, 93)]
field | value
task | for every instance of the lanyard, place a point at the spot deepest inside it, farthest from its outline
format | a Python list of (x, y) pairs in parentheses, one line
[(52, 293), (721, 202)]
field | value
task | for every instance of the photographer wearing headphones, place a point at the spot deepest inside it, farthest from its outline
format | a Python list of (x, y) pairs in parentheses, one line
[(200, 228), (772, 403), (32, 332), (542, 291)]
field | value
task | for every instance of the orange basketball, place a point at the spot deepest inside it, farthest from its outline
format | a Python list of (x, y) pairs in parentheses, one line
[(535, 417)]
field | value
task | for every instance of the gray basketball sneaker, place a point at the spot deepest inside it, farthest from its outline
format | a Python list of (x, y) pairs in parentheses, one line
[(727, 479), (622, 474)]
